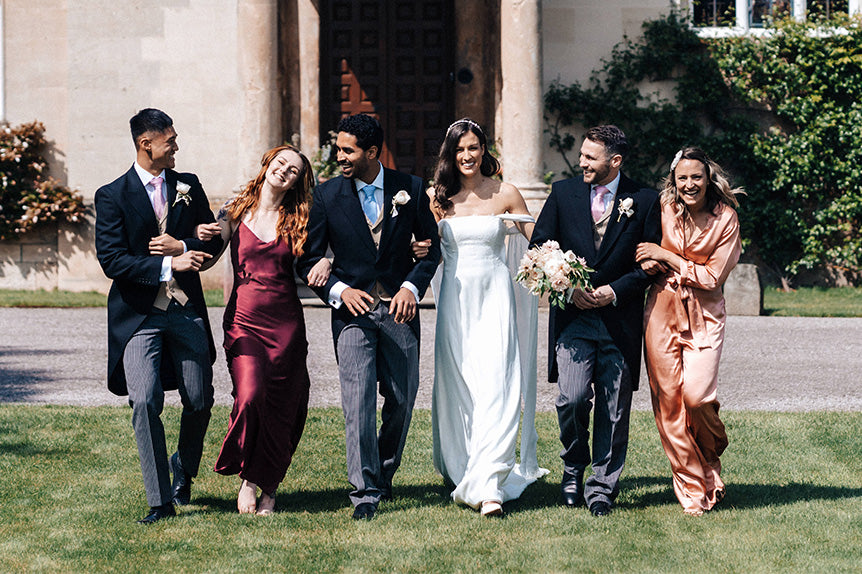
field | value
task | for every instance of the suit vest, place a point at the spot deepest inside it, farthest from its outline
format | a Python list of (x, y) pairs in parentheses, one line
[(601, 226), (376, 229), (168, 290)]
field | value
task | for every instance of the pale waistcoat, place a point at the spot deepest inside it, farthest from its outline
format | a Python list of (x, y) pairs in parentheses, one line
[(168, 289), (376, 228), (600, 226)]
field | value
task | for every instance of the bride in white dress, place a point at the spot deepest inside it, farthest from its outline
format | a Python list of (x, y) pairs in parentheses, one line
[(481, 370)]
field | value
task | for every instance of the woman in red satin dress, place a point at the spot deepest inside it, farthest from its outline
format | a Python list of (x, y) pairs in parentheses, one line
[(264, 327), (684, 322)]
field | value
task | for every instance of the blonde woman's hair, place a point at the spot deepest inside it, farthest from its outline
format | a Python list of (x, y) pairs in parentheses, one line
[(718, 188)]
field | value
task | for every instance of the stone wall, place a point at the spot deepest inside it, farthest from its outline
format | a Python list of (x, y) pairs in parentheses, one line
[(30, 262), (84, 68)]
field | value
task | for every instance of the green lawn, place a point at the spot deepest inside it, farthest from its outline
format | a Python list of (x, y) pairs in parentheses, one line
[(804, 302), (814, 302), (71, 492)]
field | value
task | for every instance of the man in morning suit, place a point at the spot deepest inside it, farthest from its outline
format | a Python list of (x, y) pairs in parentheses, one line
[(159, 335), (368, 217), (596, 339)]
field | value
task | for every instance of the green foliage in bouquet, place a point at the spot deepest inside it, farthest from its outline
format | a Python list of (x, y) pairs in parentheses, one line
[(28, 195), (780, 111)]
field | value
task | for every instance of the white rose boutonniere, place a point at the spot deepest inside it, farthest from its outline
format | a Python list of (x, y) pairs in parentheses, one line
[(626, 208), (401, 198), (183, 190)]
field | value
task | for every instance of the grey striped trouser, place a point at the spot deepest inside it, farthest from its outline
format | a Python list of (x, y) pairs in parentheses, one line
[(374, 348), (592, 370), (182, 333)]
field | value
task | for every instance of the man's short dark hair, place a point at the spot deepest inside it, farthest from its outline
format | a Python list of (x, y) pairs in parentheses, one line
[(149, 120), (366, 129), (611, 137)]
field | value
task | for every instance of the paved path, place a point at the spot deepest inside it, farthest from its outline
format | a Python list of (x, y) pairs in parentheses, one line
[(58, 356)]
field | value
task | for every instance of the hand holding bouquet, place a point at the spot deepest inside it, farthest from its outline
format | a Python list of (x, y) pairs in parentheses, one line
[(546, 269)]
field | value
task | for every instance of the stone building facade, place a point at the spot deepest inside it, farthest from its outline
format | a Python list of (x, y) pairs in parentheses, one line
[(239, 76)]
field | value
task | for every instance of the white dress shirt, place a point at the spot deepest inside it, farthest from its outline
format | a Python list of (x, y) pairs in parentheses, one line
[(166, 273), (608, 199)]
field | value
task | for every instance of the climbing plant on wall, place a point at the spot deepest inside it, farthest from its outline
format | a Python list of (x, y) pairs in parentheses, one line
[(781, 111)]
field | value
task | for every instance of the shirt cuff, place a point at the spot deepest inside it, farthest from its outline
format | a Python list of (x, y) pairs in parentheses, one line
[(412, 288), (335, 294), (167, 273), (614, 302), (185, 247)]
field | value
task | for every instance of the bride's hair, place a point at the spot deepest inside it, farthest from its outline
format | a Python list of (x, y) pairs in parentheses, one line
[(293, 211), (447, 181)]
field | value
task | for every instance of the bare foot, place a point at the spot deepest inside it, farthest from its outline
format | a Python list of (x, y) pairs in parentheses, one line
[(247, 498), (266, 505)]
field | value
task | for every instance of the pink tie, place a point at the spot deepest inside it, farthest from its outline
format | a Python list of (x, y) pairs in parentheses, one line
[(598, 205), (158, 197)]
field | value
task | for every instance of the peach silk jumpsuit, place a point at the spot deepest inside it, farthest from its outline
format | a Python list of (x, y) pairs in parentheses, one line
[(684, 333)]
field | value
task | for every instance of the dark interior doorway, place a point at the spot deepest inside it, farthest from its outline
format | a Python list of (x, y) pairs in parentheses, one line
[(393, 60)]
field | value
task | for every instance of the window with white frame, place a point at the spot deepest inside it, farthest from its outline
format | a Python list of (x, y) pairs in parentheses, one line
[(746, 14)]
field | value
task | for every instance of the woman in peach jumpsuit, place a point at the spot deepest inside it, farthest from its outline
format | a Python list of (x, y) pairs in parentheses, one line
[(684, 322)]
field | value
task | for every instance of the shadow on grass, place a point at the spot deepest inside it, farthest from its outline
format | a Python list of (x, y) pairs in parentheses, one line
[(642, 492), (746, 496), (335, 499), (28, 450)]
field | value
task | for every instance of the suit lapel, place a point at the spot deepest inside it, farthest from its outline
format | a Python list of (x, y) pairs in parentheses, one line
[(348, 201), (389, 191), (583, 219), (173, 210), (137, 197)]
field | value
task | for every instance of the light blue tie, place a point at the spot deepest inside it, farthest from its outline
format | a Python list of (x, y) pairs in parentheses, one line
[(369, 203)]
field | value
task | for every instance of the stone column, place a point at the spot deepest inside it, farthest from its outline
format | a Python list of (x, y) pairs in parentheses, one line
[(308, 29), (522, 128), (257, 44)]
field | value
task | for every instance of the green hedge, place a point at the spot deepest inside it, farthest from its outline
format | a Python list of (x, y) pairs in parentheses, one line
[(780, 111)]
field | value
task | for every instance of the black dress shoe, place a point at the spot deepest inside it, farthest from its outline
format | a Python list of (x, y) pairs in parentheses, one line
[(157, 513), (600, 508), (182, 485), (573, 490), (364, 511)]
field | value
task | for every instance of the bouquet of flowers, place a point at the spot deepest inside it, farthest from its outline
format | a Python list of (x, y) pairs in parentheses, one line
[(546, 269)]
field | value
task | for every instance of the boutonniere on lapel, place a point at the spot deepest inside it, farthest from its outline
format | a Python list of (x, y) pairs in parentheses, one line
[(401, 198), (183, 195), (626, 208)]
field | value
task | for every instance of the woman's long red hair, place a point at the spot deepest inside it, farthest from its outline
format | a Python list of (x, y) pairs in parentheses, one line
[(293, 211)]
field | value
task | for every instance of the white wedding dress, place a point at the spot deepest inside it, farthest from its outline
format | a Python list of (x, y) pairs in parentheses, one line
[(481, 369)]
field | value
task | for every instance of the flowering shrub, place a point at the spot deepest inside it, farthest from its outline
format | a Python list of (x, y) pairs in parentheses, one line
[(28, 195)]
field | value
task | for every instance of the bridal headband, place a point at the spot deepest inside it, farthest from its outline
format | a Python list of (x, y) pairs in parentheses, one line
[(676, 159), (465, 121)]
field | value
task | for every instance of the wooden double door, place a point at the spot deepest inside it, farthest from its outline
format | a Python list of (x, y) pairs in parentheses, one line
[(393, 60)]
